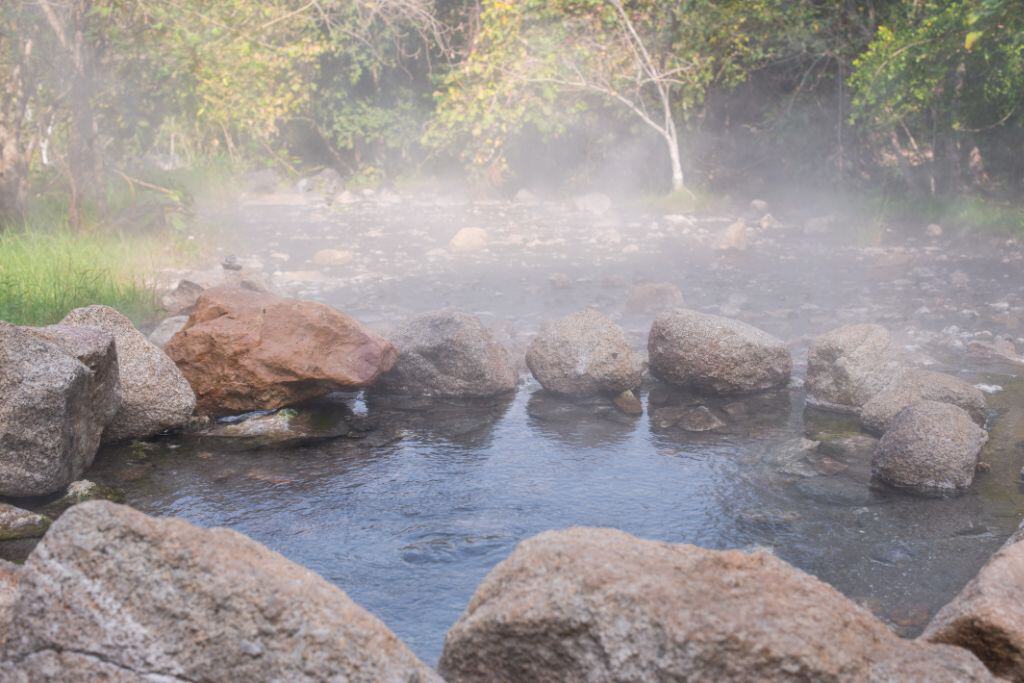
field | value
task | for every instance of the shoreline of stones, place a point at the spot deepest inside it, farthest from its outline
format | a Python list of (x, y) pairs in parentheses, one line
[(581, 604)]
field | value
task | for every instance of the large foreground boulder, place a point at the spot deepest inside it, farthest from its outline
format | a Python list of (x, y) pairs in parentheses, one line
[(449, 353), (601, 605), (10, 577), (583, 354), (58, 391), (156, 396), (244, 350), (111, 594), (913, 386), (931, 447), (849, 365), (715, 354), (987, 617)]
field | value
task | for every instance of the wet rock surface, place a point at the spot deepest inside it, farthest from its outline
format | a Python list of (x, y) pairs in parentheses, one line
[(60, 391), (913, 386), (239, 351), (987, 617), (16, 523), (111, 593), (716, 354), (597, 604), (449, 353), (849, 365), (155, 395), (584, 353), (931, 447)]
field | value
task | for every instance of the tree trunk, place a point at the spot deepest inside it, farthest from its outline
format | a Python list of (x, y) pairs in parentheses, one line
[(15, 143), (672, 141)]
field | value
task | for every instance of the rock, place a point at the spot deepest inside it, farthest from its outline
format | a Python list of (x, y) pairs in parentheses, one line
[(934, 230), (10, 577), (449, 353), (286, 428), (987, 617), (629, 404), (770, 222), (601, 605), (653, 297), (16, 523), (79, 492), (689, 418), (524, 196), (111, 594), (715, 354), (345, 197), (182, 298), (245, 351), (595, 203), (333, 257), (327, 182), (469, 240), (847, 366), (913, 386), (156, 395), (60, 390), (584, 353), (759, 205), (930, 446), (167, 328), (560, 281), (734, 238)]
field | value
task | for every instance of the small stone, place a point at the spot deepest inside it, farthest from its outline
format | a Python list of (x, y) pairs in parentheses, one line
[(560, 281), (653, 297), (167, 328), (699, 419), (934, 230), (734, 238), (758, 205), (16, 523), (629, 404), (468, 240)]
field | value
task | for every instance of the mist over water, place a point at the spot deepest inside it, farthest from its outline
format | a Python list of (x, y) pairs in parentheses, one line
[(410, 519)]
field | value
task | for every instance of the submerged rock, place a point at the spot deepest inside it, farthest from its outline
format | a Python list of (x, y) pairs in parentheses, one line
[(628, 403), (987, 617), (850, 365), (111, 594), (653, 297), (688, 418), (59, 390), (156, 395), (286, 428), (930, 446), (16, 523), (601, 605), (244, 350), (449, 353), (913, 386), (715, 354), (582, 354)]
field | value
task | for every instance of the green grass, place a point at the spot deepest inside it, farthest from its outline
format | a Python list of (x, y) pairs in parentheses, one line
[(43, 275), (961, 212)]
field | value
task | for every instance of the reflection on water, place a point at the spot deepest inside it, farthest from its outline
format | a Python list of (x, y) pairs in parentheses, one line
[(409, 528)]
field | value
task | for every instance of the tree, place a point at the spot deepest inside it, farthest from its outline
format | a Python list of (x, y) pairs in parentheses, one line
[(536, 63)]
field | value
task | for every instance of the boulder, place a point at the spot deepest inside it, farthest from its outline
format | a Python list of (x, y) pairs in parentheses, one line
[(449, 353), (582, 354), (930, 446), (16, 523), (243, 350), (987, 617), (734, 238), (156, 396), (182, 298), (716, 355), (913, 386), (653, 297), (469, 240), (60, 390), (601, 605), (111, 594), (10, 577), (333, 257), (847, 366)]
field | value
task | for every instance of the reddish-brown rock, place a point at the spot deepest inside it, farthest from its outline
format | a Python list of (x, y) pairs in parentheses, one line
[(243, 350)]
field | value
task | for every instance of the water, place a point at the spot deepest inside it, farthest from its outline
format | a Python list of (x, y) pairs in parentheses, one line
[(409, 519)]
